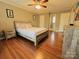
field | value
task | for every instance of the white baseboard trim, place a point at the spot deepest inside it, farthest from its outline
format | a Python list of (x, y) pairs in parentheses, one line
[(59, 30)]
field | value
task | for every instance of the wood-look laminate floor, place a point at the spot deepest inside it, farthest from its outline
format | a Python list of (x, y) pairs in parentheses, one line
[(20, 48)]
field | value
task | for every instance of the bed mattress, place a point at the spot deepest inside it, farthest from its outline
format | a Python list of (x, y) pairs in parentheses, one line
[(31, 32)]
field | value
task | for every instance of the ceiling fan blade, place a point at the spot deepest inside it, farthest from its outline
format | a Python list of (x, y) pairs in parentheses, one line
[(30, 4), (33, 3), (38, 2), (33, 0), (44, 6), (43, 1)]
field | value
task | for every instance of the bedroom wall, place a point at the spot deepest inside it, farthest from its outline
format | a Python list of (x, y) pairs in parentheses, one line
[(57, 21), (72, 18), (64, 20), (76, 23), (36, 20), (73, 15), (47, 20), (44, 20), (19, 15)]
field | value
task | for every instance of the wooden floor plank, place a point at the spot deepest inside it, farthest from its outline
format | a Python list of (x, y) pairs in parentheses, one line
[(20, 48)]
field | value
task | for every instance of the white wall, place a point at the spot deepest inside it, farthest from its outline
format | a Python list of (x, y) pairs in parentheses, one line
[(42, 20), (36, 20), (64, 20), (19, 15)]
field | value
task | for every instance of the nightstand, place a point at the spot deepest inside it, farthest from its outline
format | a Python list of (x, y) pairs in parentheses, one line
[(2, 35), (10, 34)]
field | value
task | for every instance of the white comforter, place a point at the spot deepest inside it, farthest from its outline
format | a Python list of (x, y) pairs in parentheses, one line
[(31, 32)]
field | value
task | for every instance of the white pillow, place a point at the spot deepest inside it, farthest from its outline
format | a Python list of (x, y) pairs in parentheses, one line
[(28, 25), (23, 25)]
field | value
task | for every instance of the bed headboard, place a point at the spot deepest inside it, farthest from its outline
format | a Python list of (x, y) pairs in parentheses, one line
[(22, 24)]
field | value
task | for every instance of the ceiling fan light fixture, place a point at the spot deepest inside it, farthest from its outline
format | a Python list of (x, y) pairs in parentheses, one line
[(38, 7)]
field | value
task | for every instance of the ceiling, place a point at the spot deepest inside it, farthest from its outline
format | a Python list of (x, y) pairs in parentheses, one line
[(53, 5)]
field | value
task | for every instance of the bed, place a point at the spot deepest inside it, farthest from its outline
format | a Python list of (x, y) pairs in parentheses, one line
[(34, 34)]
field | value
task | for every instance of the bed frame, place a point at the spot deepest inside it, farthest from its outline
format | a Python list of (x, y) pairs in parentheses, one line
[(38, 38)]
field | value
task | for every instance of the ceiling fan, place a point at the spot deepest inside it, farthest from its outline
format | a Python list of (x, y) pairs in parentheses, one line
[(38, 3)]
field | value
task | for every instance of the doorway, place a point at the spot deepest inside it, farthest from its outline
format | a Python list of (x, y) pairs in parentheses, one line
[(53, 22)]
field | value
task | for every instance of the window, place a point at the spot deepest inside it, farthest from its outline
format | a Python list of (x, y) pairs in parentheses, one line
[(54, 19)]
